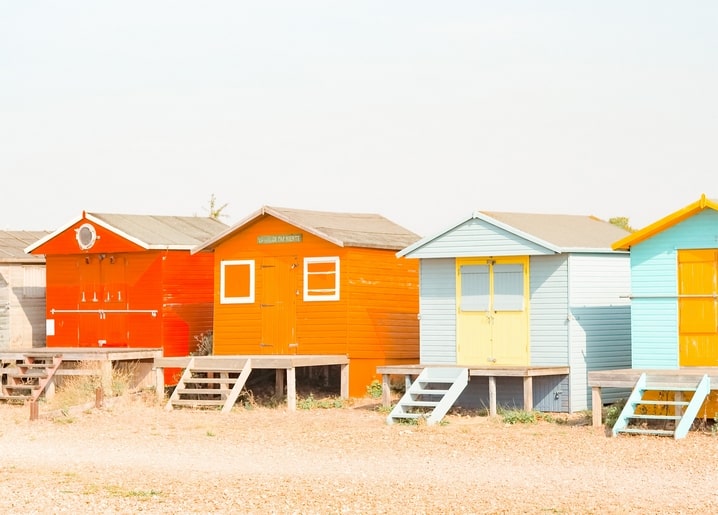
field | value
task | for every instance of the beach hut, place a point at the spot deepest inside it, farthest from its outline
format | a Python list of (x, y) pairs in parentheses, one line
[(22, 291), (674, 298), (124, 280), (524, 305), (302, 282)]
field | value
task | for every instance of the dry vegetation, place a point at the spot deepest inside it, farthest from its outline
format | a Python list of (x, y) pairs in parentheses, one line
[(333, 456)]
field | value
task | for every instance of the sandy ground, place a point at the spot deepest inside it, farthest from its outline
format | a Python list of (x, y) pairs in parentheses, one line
[(132, 456)]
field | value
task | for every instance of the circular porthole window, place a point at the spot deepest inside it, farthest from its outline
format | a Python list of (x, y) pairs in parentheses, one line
[(86, 236)]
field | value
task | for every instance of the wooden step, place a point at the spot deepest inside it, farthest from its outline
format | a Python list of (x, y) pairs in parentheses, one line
[(197, 402), (654, 432), (204, 391)]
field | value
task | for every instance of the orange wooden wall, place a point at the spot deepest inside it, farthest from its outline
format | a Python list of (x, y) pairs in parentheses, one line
[(375, 321)]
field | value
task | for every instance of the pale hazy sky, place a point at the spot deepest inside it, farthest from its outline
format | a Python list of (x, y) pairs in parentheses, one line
[(420, 111)]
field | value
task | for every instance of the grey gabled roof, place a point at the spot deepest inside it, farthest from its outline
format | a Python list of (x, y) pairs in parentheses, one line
[(150, 231), (343, 229), (566, 232), (13, 243), (556, 232)]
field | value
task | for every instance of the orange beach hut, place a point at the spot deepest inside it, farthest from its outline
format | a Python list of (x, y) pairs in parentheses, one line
[(290, 281), (123, 280)]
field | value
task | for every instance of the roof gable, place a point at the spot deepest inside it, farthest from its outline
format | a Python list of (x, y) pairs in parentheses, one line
[(665, 223), (366, 230), (555, 233), (145, 231)]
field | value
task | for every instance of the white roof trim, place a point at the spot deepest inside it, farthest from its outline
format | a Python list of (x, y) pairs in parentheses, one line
[(481, 216), (52, 235), (264, 210)]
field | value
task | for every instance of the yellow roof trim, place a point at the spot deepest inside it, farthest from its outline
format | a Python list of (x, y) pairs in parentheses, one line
[(665, 223)]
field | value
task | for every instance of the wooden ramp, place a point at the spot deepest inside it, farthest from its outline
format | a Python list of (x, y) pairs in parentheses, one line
[(658, 400), (210, 385), (431, 395)]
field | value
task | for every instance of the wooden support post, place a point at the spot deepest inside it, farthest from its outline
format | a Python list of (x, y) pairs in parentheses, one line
[(344, 372), (492, 396), (292, 389), (106, 375), (596, 406), (160, 383), (50, 389), (279, 383), (678, 397), (528, 394), (385, 390), (34, 410), (99, 397), (223, 385)]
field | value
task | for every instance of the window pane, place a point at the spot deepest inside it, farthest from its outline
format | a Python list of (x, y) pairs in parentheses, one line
[(321, 278), (508, 287), (474, 288)]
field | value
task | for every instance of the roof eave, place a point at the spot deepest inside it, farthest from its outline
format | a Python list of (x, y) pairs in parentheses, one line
[(264, 210), (664, 223)]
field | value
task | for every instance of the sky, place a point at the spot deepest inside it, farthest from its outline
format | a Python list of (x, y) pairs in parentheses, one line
[(419, 111)]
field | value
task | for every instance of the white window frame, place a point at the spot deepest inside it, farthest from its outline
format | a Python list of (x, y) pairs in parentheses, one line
[(223, 299), (334, 295)]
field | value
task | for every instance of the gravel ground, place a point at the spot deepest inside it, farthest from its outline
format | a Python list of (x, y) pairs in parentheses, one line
[(132, 456)]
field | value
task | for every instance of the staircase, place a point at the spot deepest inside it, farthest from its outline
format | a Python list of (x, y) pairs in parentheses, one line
[(209, 385), (431, 395), (642, 414), (30, 376)]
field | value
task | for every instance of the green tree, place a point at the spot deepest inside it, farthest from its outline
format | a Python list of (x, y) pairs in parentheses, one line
[(622, 222)]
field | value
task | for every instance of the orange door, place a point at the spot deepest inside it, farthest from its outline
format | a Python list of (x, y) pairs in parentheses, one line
[(698, 307), (103, 302), (113, 323), (278, 305), (88, 318)]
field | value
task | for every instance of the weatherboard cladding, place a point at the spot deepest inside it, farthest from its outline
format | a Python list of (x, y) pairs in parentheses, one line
[(654, 288), (579, 312), (548, 284), (437, 305)]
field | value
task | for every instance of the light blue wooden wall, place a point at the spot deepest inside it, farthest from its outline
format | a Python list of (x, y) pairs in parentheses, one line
[(654, 288), (579, 313)]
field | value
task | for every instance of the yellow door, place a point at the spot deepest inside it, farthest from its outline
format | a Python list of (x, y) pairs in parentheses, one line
[(492, 311), (278, 304), (698, 307)]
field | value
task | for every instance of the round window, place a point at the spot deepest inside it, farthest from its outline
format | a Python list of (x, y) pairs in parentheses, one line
[(86, 236)]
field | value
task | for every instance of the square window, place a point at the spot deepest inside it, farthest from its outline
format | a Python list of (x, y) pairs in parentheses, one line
[(321, 278), (236, 282)]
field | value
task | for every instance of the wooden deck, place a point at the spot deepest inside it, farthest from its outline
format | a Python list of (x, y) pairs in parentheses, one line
[(627, 377), (283, 364), (527, 372), (104, 356)]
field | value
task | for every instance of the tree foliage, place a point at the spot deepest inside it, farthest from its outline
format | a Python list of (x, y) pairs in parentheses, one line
[(215, 210), (622, 222)]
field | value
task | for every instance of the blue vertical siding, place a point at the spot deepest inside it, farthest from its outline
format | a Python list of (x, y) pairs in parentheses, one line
[(437, 311)]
